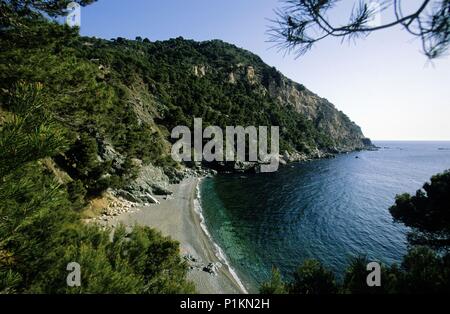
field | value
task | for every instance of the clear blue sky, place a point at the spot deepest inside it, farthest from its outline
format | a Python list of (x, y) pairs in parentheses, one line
[(383, 82)]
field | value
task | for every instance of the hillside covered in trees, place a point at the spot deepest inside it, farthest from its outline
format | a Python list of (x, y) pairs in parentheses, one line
[(81, 115), (117, 100)]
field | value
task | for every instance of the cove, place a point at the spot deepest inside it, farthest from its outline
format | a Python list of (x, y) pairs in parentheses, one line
[(330, 210)]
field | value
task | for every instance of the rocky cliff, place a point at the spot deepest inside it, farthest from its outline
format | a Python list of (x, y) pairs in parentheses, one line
[(118, 100), (168, 83), (344, 134)]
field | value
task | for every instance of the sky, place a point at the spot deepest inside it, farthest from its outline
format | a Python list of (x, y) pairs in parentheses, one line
[(383, 82)]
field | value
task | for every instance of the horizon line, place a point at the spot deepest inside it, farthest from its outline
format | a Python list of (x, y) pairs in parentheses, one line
[(409, 140)]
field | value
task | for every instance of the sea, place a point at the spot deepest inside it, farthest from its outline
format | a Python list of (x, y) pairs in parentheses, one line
[(330, 210)]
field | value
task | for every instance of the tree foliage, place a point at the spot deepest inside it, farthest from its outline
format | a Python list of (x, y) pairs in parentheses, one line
[(41, 232), (13, 9), (427, 212), (275, 285), (301, 24), (421, 271), (28, 133), (55, 104), (130, 94), (312, 278)]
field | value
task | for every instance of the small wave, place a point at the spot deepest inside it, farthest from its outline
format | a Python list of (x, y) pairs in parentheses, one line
[(218, 250)]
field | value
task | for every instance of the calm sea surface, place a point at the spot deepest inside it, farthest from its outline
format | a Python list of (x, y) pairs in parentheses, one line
[(330, 210)]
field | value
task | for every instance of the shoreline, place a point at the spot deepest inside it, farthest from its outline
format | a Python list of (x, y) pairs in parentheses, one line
[(180, 217), (220, 254)]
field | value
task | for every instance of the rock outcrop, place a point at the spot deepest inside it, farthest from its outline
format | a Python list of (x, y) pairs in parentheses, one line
[(344, 134)]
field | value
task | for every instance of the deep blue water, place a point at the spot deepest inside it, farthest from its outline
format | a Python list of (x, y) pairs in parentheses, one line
[(330, 210)]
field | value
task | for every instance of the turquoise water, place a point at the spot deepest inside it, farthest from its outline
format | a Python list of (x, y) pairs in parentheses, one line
[(330, 210)]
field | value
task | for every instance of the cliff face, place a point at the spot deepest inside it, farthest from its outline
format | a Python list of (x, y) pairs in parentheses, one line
[(344, 134), (125, 96), (227, 85)]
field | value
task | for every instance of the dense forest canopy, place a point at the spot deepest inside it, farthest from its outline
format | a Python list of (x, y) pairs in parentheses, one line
[(51, 104)]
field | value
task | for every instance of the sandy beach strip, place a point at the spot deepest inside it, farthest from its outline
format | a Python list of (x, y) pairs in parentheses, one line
[(177, 217)]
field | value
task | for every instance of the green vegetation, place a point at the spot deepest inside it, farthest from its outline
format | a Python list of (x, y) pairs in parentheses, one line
[(427, 212), (167, 70), (275, 285), (41, 231), (125, 96), (54, 104), (94, 107), (424, 269)]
